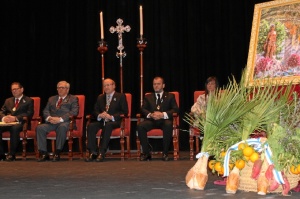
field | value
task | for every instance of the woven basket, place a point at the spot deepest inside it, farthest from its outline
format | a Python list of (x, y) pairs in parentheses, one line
[(249, 184)]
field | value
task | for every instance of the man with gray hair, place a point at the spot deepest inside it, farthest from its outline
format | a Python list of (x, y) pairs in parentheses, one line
[(57, 112)]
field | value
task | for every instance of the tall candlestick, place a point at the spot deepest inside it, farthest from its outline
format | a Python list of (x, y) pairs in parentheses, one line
[(141, 21), (101, 25)]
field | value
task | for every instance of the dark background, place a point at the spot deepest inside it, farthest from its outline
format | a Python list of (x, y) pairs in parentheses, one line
[(45, 41)]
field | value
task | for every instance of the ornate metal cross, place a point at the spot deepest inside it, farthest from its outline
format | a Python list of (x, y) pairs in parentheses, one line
[(120, 30)]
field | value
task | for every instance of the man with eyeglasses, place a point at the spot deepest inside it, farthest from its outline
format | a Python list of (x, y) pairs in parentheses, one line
[(57, 112), (107, 110), (11, 114)]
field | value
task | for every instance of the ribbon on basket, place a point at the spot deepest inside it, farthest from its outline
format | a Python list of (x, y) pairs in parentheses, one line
[(259, 147), (199, 155)]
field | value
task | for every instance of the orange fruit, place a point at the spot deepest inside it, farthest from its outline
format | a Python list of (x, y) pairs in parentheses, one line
[(240, 164), (248, 151), (254, 157), (241, 146), (298, 168), (223, 153), (211, 164), (222, 171), (218, 166), (294, 170)]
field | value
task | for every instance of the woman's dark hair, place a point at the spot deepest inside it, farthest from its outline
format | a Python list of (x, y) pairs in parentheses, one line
[(211, 78)]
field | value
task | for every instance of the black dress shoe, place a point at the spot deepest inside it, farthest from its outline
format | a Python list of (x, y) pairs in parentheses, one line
[(100, 158), (91, 157), (145, 157), (56, 158), (10, 158), (165, 157), (43, 158), (2, 157)]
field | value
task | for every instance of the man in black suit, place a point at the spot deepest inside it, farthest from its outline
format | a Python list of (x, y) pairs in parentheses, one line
[(158, 109), (57, 114), (13, 110), (108, 110)]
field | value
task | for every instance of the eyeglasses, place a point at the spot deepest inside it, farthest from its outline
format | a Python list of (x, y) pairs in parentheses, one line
[(15, 89), (61, 87)]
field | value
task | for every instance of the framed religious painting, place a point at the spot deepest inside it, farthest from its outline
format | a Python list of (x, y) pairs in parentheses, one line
[(274, 50)]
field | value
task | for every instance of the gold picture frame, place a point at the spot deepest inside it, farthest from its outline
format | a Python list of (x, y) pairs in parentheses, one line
[(274, 50)]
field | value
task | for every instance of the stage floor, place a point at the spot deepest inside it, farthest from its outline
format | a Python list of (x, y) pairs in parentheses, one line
[(112, 179)]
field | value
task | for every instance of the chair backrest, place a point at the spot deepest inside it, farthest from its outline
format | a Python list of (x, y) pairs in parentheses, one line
[(36, 114), (79, 122), (177, 101), (129, 102), (197, 94)]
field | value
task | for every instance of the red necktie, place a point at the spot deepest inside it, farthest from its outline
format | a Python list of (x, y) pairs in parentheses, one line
[(17, 103), (59, 102)]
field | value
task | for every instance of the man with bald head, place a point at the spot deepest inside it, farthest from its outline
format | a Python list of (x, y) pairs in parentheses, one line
[(107, 110)]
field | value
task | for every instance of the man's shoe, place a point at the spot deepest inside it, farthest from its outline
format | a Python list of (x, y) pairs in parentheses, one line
[(10, 158), (165, 157), (43, 158), (145, 157), (2, 157), (56, 158), (91, 157), (100, 158)]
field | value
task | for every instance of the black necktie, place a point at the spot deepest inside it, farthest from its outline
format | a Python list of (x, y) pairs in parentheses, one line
[(158, 99), (158, 102)]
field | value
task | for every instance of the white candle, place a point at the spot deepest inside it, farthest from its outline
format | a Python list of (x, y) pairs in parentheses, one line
[(101, 25), (141, 20)]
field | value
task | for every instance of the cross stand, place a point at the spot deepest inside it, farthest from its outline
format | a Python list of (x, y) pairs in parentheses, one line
[(102, 49), (120, 30), (141, 45)]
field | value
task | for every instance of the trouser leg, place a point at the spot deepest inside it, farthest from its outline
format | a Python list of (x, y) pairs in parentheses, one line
[(92, 130)]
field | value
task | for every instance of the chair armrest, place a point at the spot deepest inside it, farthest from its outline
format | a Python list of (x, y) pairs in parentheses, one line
[(72, 120), (25, 125)]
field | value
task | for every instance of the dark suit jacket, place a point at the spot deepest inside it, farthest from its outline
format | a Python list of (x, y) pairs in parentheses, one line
[(25, 108), (168, 104), (117, 107), (69, 107)]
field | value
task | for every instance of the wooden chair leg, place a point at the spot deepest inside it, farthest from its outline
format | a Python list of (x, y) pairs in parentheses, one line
[(70, 153), (122, 143), (197, 144), (175, 147), (128, 146), (24, 143), (191, 147), (87, 153)]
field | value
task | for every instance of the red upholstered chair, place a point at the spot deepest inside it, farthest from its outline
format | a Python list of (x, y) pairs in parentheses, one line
[(122, 133), (158, 133), (27, 133), (194, 132), (72, 133)]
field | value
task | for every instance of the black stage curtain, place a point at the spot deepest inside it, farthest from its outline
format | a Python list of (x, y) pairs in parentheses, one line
[(45, 41)]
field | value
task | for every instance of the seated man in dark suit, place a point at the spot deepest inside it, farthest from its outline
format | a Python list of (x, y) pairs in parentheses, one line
[(158, 109), (108, 110), (13, 110), (57, 114)]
